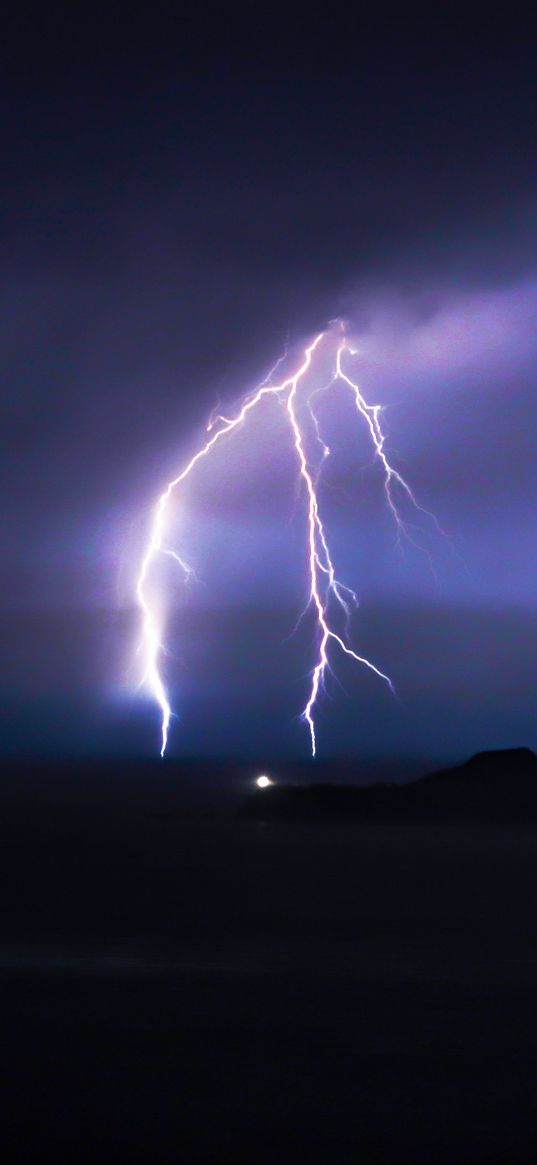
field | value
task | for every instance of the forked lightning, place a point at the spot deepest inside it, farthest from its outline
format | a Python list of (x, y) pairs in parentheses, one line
[(326, 592)]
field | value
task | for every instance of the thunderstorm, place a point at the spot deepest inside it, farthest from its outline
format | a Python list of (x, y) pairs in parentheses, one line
[(326, 593)]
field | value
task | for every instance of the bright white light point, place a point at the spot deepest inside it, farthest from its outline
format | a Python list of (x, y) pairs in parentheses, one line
[(263, 782)]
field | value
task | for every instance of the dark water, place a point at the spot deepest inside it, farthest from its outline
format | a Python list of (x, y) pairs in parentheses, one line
[(214, 991)]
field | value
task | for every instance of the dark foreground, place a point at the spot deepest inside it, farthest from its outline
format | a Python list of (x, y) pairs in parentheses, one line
[(219, 990)]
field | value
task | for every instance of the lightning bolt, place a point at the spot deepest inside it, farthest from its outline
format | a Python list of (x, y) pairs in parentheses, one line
[(327, 593)]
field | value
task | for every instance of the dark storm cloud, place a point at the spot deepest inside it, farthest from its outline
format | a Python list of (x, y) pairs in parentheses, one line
[(177, 203)]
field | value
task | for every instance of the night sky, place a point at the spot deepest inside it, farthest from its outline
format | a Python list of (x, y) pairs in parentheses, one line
[(182, 197)]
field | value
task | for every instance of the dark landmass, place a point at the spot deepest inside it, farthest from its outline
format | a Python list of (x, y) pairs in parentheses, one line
[(491, 786), (184, 988)]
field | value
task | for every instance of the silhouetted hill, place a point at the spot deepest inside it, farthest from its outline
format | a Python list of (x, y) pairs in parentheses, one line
[(490, 786)]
